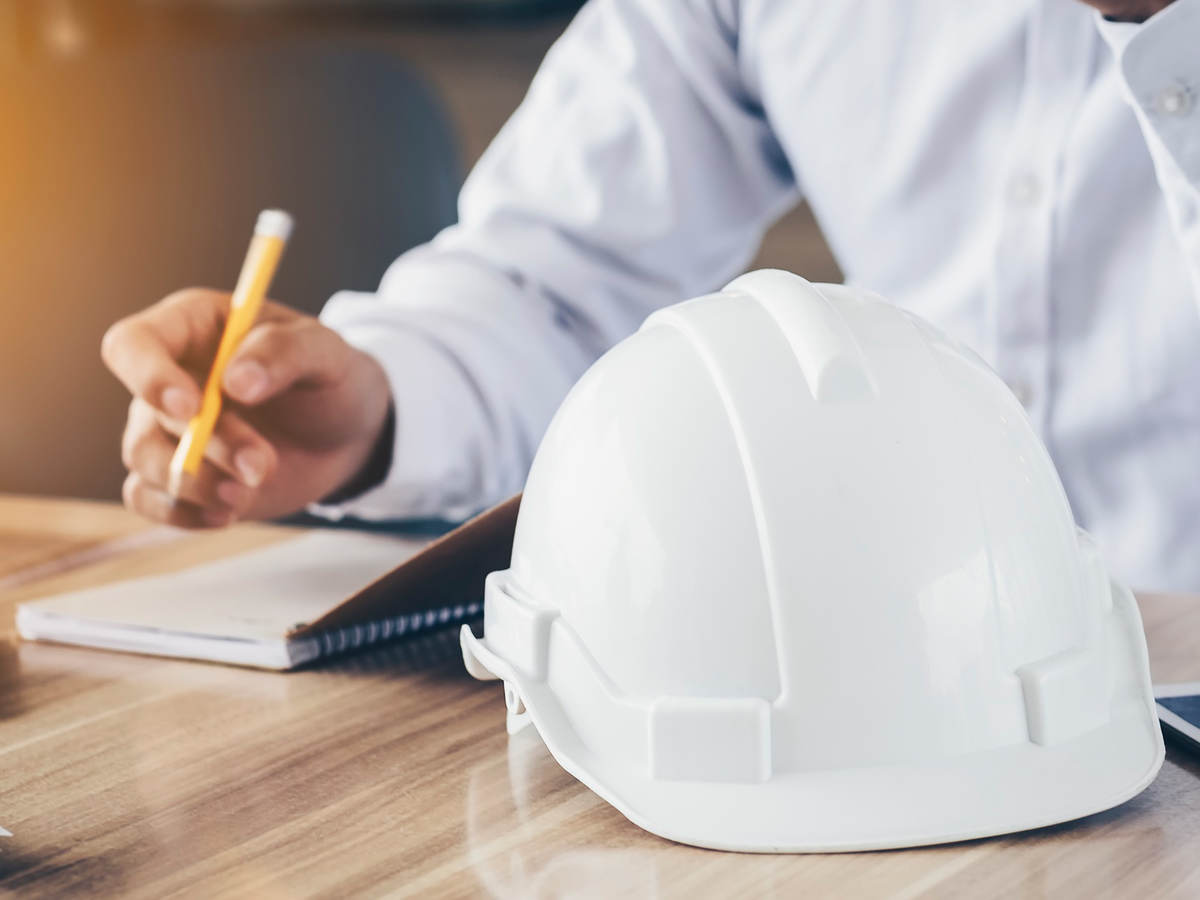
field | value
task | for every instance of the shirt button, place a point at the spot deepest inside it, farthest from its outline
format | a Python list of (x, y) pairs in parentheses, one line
[(1025, 189), (1173, 101)]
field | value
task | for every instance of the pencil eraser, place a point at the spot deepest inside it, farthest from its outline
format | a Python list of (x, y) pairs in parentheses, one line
[(274, 223)]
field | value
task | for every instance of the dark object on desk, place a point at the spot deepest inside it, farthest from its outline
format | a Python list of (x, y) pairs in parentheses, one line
[(1179, 712), (126, 176)]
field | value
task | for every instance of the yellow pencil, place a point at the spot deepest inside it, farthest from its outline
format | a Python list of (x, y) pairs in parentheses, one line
[(271, 233)]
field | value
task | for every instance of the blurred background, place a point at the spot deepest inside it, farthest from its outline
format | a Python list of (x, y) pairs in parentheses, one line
[(139, 138)]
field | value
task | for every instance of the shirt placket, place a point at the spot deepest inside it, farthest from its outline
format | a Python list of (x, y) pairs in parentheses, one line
[(1059, 45)]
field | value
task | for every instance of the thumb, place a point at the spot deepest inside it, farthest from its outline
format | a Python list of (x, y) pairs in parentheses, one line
[(276, 356)]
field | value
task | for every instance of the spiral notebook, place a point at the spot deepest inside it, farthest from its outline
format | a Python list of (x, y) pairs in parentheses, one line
[(297, 597)]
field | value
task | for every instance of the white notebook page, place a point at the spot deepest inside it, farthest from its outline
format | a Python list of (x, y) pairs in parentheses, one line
[(258, 595)]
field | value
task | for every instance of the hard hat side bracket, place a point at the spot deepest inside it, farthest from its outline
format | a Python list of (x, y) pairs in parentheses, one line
[(535, 653), (1066, 695)]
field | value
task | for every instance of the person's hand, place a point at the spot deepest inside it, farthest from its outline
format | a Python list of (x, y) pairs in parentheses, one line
[(1128, 10), (303, 412)]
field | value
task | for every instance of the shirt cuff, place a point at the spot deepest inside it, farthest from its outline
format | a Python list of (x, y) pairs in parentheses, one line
[(1159, 60), (433, 401)]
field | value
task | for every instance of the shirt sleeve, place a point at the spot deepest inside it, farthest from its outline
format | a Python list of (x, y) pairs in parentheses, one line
[(1159, 63), (638, 171)]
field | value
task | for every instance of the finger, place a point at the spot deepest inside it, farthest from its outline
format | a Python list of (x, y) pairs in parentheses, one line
[(277, 355), (236, 447), (147, 449), (146, 350), (159, 506)]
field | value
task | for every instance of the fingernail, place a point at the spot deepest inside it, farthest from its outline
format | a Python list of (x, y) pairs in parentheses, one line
[(246, 381), (178, 403), (251, 465), (232, 493)]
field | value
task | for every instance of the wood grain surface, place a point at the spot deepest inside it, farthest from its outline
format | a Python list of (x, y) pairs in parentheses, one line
[(390, 774)]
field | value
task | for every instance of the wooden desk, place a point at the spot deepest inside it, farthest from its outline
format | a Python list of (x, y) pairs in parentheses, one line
[(391, 773)]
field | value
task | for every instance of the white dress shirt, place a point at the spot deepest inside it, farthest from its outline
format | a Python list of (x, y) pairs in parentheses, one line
[(1021, 172)]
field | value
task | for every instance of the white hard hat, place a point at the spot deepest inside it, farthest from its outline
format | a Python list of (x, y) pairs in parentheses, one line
[(792, 571)]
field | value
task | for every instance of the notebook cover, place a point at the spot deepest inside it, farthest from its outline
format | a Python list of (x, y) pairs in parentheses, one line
[(447, 573)]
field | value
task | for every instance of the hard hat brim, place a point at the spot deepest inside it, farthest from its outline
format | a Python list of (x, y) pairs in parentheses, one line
[(1006, 790)]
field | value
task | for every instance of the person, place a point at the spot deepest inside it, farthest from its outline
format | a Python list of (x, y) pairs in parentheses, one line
[(1024, 174)]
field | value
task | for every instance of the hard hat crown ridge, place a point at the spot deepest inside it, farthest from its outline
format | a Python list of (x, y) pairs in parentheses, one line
[(793, 571)]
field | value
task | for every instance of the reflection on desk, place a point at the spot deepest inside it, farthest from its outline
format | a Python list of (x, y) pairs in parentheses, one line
[(531, 833)]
